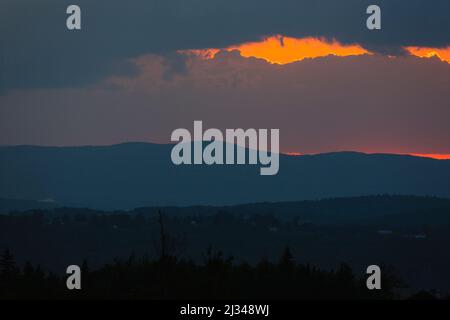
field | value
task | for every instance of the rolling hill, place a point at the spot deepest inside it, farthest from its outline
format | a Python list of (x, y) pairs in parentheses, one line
[(131, 175)]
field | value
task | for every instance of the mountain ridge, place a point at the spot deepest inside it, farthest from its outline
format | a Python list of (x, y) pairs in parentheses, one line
[(130, 175), (285, 154)]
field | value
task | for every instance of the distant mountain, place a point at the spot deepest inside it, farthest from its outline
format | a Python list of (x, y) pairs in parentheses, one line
[(366, 210), (8, 205), (133, 175)]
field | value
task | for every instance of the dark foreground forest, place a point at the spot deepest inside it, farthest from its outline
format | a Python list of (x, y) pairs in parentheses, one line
[(217, 278), (305, 250)]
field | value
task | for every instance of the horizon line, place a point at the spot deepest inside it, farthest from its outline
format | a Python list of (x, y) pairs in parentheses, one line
[(435, 156)]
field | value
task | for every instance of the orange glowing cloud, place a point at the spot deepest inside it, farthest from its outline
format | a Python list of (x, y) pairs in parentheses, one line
[(424, 52), (283, 50)]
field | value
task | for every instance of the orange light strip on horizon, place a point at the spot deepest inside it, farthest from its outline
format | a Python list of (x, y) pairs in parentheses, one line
[(437, 156), (293, 154)]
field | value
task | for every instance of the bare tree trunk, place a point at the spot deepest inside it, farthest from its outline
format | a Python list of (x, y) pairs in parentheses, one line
[(163, 237)]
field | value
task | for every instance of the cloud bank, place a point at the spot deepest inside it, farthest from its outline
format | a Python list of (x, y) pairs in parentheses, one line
[(370, 103), (39, 52)]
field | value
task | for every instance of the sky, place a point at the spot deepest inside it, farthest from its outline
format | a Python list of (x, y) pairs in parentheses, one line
[(136, 72)]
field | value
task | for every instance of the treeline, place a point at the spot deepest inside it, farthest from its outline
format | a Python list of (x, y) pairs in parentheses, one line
[(170, 278), (60, 237)]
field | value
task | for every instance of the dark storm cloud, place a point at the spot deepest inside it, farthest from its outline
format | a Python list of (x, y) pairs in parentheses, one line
[(38, 51)]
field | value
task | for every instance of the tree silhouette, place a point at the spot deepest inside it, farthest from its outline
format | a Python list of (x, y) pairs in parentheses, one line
[(7, 263), (168, 247), (287, 262), (217, 278)]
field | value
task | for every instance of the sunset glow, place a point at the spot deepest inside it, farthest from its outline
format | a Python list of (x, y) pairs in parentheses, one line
[(295, 154), (443, 54), (283, 50), (437, 156)]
